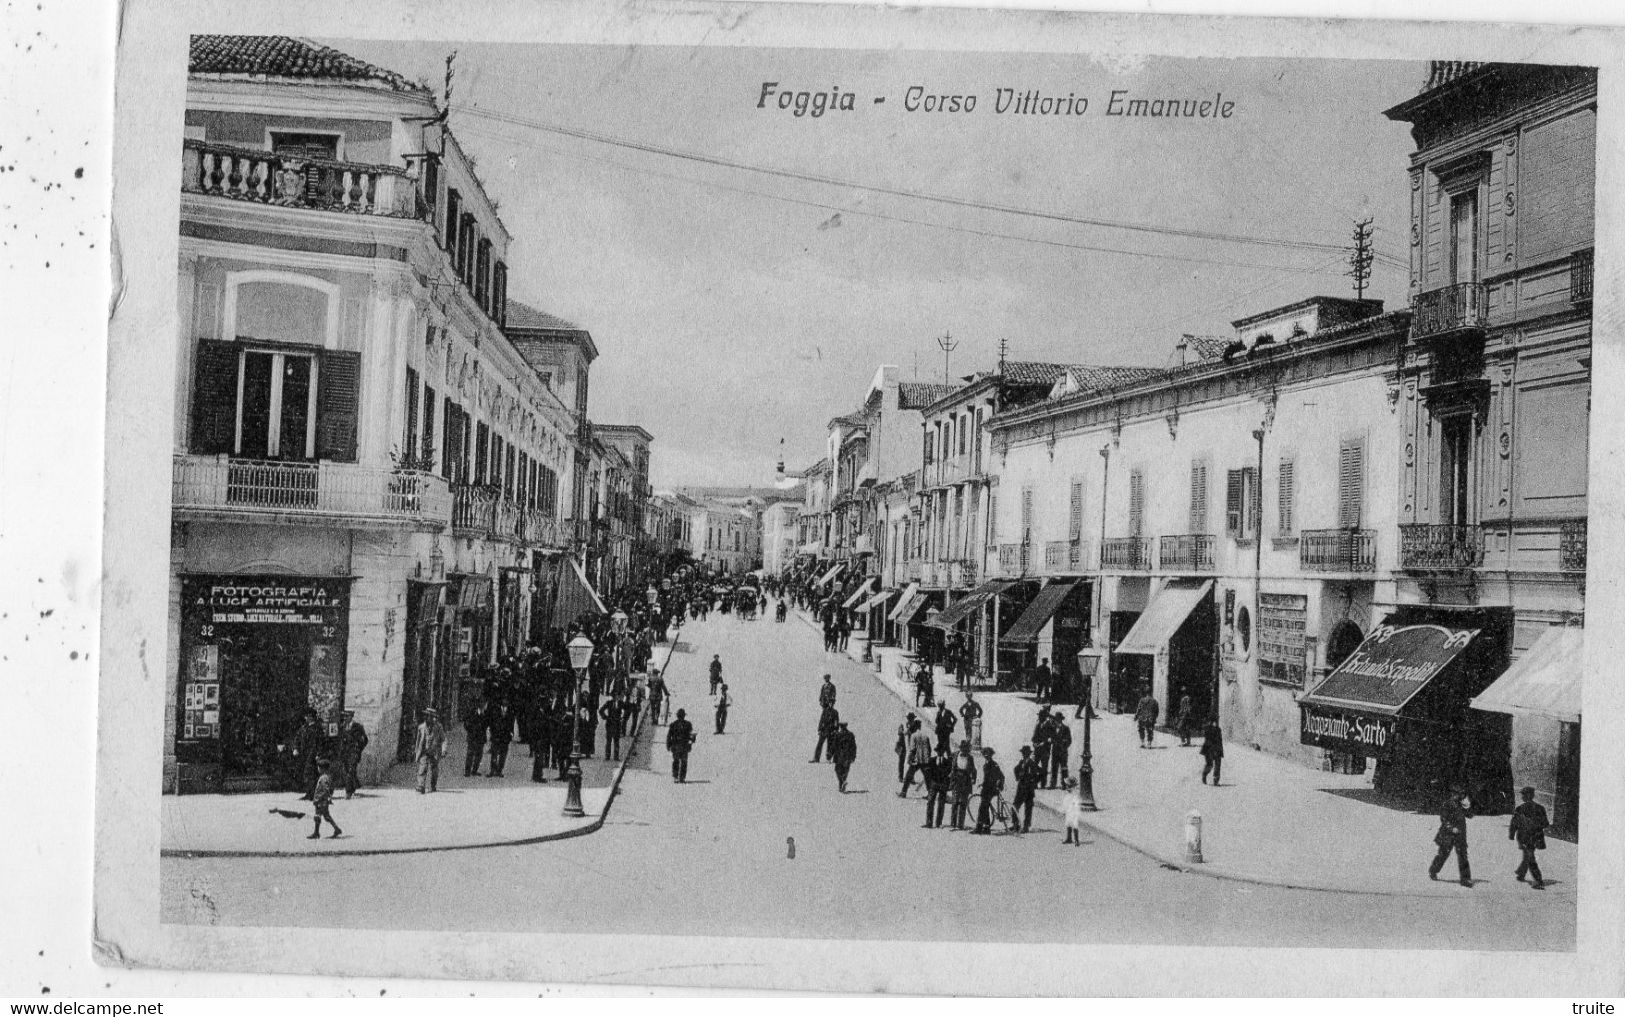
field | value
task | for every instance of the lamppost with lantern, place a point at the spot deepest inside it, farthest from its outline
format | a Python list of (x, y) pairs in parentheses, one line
[(1088, 666), (580, 649)]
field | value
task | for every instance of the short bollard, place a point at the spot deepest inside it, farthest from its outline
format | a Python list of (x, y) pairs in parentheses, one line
[(1193, 836)]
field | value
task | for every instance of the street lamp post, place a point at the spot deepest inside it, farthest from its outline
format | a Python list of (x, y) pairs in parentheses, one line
[(1088, 665), (580, 649)]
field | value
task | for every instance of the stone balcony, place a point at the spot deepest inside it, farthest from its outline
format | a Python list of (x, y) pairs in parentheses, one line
[(245, 174), (227, 488)]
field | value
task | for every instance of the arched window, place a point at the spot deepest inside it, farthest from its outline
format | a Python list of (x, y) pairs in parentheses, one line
[(1345, 639)]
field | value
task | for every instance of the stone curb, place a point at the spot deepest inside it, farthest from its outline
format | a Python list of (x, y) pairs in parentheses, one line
[(580, 831), (1178, 864)]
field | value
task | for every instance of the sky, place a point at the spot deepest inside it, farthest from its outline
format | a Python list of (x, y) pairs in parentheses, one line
[(733, 308)]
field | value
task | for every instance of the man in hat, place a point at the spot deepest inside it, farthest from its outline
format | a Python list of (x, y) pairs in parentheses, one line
[(843, 751), (901, 748), (1145, 719), (829, 720), (476, 719), (716, 672), (352, 742), (992, 787), (723, 702), (945, 724), (307, 745), (430, 746), (961, 782), (919, 756), (501, 720), (1028, 776), (680, 738), (1060, 746), (1452, 836), (1528, 828), (826, 692), (938, 777)]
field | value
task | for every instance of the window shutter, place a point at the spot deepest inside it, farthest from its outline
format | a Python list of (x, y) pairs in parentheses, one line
[(1350, 483), (1283, 499), (1198, 518), (1235, 494), (409, 444), (450, 442), (1026, 514), (428, 449), (337, 405), (214, 398), (454, 208), (1255, 502), (1074, 528), (1136, 503)]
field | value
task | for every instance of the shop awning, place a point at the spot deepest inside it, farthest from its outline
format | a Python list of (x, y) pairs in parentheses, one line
[(909, 594), (1387, 671), (473, 592), (862, 589), (962, 608), (831, 574), (1168, 611), (1545, 680), (1038, 614), (576, 596), (876, 600)]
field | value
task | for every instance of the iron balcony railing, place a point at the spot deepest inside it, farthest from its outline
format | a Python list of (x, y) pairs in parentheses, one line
[(1064, 556), (1131, 554), (1571, 545), (1437, 547), (229, 486), (1010, 559), (1345, 550), (247, 174), (1581, 267), (1185, 552), (1447, 309)]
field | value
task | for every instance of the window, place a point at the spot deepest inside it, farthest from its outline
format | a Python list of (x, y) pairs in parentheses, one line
[(1464, 237), (466, 237), (482, 452), (1136, 503), (962, 429), (1241, 503), (274, 403), (508, 478), (1350, 484), (1074, 524), (927, 452), (1455, 470), (1198, 519), (482, 274), (499, 294), (1284, 524), (427, 452), (454, 219), (305, 145), (409, 442)]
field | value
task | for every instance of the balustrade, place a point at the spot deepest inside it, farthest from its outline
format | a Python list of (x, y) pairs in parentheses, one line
[(1186, 552), (1343, 550), (1440, 547), (339, 490)]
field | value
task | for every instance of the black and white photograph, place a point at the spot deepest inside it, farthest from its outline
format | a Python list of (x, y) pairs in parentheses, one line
[(776, 499)]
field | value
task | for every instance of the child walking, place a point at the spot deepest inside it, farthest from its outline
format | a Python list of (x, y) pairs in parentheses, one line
[(323, 798)]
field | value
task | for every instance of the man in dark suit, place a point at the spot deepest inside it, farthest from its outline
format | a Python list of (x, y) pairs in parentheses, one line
[(1528, 828), (352, 742), (992, 787), (843, 752), (614, 712), (502, 724), (1452, 836), (476, 720), (1028, 776), (826, 693), (961, 782), (1041, 739), (829, 721), (680, 738), (938, 773), (1060, 746)]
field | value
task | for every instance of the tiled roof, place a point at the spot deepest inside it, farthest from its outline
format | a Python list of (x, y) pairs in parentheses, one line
[(917, 395), (282, 56), (1093, 378), (1032, 372), (526, 316), (1208, 347)]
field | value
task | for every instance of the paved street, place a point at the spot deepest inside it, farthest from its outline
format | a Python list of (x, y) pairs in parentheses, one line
[(711, 857)]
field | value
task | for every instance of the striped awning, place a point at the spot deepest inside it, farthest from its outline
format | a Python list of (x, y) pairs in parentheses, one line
[(876, 600), (831, 574), (912, 591), (862, 589), (962, 608)]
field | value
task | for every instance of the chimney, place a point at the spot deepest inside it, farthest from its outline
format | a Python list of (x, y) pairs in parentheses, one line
[(1182, 346)]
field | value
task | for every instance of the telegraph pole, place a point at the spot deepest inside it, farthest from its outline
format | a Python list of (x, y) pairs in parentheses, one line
[(1360, 257), (947, 344)]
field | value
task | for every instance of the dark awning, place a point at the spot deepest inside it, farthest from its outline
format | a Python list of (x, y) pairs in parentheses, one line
[(1038, 614), (903, 602), (1390, 668), (575, 596), (959, 609)]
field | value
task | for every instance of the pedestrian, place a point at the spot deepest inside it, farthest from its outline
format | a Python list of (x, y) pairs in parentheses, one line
[(1528, 828), (992, 788), (901, 748), (657, 695), (564, 737), (716, 672), (614, 713), (843, 751), (938, 781), (352, 742), (587, 729), (1074, 817), (829, 720), (971, 711), (1041, 739), (844, 629), (919, 755), (1042, 680), (476, 721), (322, 798), (826, 693), (962, 780), (1185, 720), (924, 689), (945, 725), (427, 750), (680, 738), (307, 743), (1452, 836), (1028, 776), (1212, 750), (1145, 719), (723, 702), (502, 724), (1060, 748)]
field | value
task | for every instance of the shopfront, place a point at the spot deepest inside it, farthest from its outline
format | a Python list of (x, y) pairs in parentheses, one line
[(1066, 604), (256, 652), (1402, 698), (1176, 639)]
